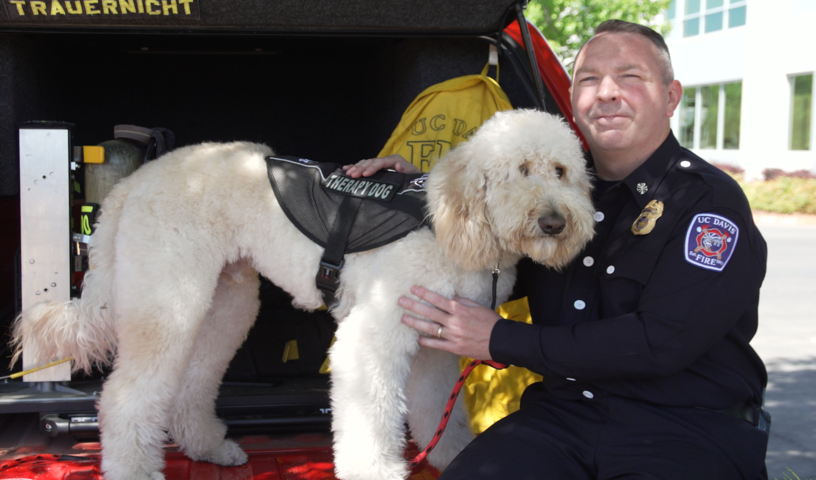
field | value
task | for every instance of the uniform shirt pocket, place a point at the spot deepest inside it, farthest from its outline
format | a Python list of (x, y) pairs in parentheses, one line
[(621, 281)]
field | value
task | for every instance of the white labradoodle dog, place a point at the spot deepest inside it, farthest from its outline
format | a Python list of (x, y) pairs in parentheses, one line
[(173, 290)]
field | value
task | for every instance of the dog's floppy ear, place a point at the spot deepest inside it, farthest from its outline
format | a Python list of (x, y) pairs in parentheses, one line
[(457, 204)]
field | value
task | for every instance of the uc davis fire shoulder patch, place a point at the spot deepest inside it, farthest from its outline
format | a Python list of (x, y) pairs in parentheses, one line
[(710, 241)]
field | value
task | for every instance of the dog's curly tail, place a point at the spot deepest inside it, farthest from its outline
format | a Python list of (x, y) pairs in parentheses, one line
[(83, 328), (53, 330)]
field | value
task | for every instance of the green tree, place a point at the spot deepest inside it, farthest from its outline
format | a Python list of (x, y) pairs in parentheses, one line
[(567, 24)]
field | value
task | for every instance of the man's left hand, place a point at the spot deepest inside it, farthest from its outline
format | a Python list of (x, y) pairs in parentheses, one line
[(368, 167), (466, 325)]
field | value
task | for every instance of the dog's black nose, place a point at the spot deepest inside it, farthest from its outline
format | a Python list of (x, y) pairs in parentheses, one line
[(552, 225)]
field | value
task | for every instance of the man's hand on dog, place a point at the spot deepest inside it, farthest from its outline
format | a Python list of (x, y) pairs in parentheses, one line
[(466, 325), (366, 168)]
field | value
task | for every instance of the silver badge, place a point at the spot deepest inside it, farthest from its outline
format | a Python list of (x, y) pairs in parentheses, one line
[(642, 188)]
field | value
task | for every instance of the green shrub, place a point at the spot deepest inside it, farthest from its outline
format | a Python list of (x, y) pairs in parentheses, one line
[(782, 195)]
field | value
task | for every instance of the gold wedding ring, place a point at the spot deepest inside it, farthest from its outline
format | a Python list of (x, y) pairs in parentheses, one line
[(439, 332)]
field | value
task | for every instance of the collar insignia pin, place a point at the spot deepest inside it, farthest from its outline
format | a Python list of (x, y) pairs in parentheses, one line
[(645, 222), (642, 188)]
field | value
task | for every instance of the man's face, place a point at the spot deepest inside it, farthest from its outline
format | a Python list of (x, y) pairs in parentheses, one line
[(619, 100)]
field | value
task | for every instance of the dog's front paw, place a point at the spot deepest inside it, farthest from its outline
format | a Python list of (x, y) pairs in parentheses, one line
[(128, 474), (379, 471), (112, 475), (229, 454)]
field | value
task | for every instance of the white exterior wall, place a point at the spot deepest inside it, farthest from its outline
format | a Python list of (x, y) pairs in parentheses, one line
[(777, 40)]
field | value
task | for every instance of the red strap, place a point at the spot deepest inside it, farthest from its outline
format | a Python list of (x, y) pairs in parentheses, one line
[(449, 407)]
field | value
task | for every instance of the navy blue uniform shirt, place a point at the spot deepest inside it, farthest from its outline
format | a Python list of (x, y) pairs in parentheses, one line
[(664, 317)]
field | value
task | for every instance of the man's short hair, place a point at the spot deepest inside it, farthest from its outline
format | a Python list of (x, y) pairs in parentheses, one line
[(620, 26)]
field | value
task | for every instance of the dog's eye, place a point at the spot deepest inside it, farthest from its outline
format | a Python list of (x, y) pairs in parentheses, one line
[(523, 170), (559, 172)]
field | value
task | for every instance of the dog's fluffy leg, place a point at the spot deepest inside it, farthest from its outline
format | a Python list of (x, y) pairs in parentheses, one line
[(156, 339), (193, 423), (433, 375), (370, 362)]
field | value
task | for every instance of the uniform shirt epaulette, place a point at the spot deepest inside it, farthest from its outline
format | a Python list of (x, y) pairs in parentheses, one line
[(724, 190)]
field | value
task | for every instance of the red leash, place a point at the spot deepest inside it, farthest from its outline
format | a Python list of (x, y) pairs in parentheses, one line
[(449, 407)]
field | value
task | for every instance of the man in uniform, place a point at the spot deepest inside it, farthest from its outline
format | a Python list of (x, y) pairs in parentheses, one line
[(643, 339)]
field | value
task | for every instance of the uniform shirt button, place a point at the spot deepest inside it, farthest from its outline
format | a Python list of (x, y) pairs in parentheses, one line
[(579, 304), (589, 261), (685, 164), (588, 394), (598, 216), (610, 269)]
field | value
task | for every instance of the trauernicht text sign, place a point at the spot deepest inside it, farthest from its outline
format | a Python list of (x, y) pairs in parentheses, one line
[(91, 11)]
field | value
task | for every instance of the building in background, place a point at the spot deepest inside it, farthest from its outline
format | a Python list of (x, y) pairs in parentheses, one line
[(747, 72)]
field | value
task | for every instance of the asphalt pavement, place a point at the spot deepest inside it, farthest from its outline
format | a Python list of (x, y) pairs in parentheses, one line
[(786, 341)]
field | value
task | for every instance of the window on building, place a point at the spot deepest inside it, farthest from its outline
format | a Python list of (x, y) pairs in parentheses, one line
[(709, 116), (686, 113), (736, 14), (709, 107), (733, 109), (691, 21), (711, 15), (801, 111)]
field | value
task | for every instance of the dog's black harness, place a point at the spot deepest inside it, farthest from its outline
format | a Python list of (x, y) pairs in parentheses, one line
[(344, 214)]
